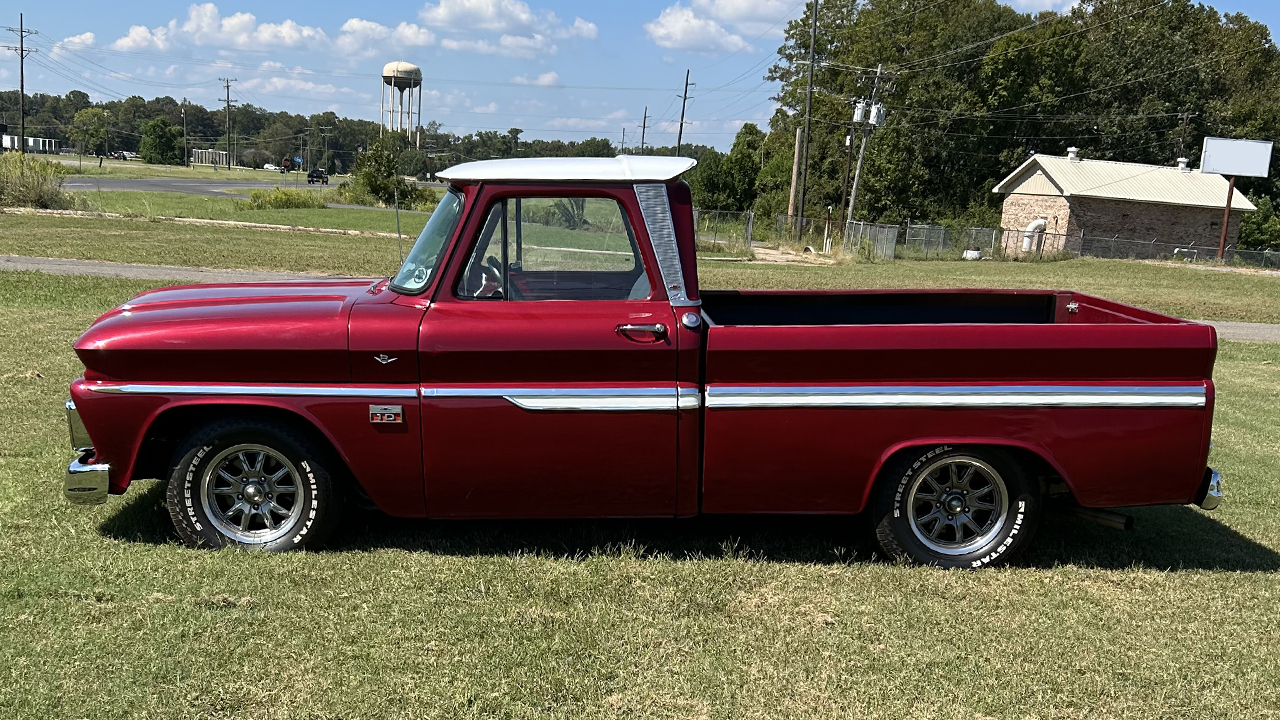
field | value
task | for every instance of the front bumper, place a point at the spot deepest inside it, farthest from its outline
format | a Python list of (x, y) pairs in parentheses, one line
[(87, 481), (1210, 496)]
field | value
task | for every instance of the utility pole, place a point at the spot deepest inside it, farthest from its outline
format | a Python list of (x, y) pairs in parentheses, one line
[(23, 51), (795, 174), (684, 99), (644, 124), (871, 122), (227, 82), (186, 154), (624, 139), (324, 154), (1182, 139), (848, 158), (808, 109)]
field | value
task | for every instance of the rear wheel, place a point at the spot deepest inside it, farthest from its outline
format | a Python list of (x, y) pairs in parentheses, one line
[(956, 507), (254, 484)]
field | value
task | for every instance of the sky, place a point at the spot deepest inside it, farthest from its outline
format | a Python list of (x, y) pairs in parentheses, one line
[(567, 69)]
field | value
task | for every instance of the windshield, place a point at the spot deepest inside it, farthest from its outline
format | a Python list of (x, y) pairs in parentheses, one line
[(425, 256)]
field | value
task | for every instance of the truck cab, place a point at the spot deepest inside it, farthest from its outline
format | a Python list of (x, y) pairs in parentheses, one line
[(545, 352)]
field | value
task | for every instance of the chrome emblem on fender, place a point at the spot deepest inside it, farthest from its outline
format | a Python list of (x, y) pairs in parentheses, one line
[(385, 358), (386, 414)]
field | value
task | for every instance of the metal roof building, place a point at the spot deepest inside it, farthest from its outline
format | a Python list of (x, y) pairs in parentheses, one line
[(1096, 198)]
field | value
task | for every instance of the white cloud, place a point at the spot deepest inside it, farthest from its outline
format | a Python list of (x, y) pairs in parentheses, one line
[(525, 32), (141, 37), (543, 80), (753, 17), (366, 37), (680, 28), (501, 16), (516, 46), (580, 28), (490, 108), (578, 123), (277, 84), (83, 40), (205, 25)]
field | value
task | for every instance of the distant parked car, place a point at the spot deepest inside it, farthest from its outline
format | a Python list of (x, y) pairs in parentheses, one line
[(269, 166), (318, 175)]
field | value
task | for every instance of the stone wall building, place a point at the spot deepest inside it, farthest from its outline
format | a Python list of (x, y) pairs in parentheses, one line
[(1080, 199)]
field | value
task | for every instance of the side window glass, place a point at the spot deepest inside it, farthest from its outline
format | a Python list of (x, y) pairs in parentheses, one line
[(556, 248), (484, 278)]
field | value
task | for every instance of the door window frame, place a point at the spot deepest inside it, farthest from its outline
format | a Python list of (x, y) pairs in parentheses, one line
[(488, 195)]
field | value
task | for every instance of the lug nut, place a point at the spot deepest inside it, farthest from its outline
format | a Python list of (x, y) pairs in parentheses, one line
[(239, 496), (951, 517), (966, 509), (255, 507)]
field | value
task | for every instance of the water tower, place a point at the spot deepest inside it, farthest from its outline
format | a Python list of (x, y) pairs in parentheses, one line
[(400, 77)]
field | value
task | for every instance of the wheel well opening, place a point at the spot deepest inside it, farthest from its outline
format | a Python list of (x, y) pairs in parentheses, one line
[(156, 456), (1035, 465)]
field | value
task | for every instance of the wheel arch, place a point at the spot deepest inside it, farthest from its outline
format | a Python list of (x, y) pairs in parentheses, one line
[(1035, 458), (168, 427)]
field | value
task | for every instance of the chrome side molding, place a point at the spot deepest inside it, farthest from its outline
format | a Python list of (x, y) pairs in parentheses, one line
[(581, 398), (277, 390), (720, 396)]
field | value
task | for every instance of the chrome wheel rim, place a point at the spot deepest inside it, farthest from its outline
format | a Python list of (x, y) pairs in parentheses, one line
[(252, 494), (957, 505)]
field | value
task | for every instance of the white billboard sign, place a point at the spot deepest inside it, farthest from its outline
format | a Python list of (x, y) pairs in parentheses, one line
[(1241, 158)]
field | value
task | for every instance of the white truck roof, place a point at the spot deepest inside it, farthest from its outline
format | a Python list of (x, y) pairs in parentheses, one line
[(623, 168)]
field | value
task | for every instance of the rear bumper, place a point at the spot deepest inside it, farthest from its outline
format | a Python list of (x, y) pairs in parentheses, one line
[(87, 482), (1210, 496)]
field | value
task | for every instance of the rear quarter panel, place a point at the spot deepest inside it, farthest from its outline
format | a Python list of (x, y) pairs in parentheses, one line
[(825, 459)]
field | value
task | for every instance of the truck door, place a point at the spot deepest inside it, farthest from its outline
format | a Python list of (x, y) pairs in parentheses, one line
[(549, 363)]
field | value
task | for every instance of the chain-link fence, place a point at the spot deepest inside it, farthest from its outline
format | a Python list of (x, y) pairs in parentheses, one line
[(723, 232), (869, 240)]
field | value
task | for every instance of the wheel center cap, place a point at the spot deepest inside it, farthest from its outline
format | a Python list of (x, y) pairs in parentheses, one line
[(954, 504), (253, 493)]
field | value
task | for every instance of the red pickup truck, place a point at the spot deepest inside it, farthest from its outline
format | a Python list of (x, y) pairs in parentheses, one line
[(545, 352)]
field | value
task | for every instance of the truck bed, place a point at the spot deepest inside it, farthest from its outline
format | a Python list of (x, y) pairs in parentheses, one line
[(916, 307), (802, 387)]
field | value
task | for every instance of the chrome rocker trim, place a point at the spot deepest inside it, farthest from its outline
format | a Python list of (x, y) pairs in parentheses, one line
[(584, 399), (277, 390), (955, 396), (87, 481)]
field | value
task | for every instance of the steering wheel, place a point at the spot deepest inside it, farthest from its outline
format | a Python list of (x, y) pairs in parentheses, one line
[(491, 279)]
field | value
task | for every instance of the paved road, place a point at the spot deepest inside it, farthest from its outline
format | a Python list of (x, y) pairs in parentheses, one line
[(1242, 332), (1246, 332), (98, 268)]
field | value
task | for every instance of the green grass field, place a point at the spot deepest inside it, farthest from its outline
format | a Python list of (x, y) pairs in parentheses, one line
[(167, 204), (136, 169), (1182, 291), (103, 615)]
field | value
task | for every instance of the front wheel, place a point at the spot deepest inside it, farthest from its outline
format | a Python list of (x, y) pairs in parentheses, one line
[(956, 507), (253, 484)]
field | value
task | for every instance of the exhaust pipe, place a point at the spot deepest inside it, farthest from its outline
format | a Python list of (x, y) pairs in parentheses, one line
[(1108, 518)]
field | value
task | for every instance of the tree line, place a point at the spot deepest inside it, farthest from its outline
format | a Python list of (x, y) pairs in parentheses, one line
[(974, 88), (154, 129)]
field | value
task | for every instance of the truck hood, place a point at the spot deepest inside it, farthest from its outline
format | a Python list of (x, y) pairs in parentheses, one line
[(237, 332)]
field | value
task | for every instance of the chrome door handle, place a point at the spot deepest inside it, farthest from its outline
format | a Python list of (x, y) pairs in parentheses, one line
[(658, 330)]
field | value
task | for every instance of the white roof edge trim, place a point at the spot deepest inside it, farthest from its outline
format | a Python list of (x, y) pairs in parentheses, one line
[(1000, 187), (623, 168)]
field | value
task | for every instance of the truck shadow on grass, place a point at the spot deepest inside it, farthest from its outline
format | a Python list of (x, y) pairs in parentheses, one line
[(1164, 538)]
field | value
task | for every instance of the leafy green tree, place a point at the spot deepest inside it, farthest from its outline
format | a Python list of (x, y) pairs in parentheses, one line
[(743, 165), (89, 129), (376, 172), (1260, 230), (161, 143)]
